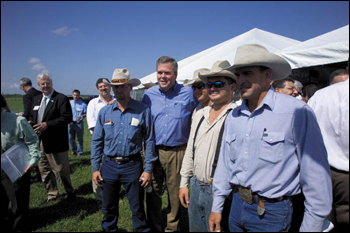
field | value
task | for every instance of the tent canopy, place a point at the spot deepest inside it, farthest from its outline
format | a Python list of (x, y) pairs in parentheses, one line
[(226, 51), (328, 48)]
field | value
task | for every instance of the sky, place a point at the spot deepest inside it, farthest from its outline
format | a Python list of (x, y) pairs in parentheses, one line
[(79, 42)]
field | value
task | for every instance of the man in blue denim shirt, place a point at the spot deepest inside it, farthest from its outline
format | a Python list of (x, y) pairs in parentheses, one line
[(171, 105), (119, 134), (272, 148), (76, 127)]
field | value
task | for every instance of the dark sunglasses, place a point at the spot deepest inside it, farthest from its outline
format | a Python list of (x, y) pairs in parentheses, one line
[(217, 84), (199, 87)]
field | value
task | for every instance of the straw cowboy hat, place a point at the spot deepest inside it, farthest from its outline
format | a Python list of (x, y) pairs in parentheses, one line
[(219, 69), (257, 55), (122, 77), (196, 78)]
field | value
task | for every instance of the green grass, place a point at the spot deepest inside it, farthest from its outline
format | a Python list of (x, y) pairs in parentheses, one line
[(83, 215)]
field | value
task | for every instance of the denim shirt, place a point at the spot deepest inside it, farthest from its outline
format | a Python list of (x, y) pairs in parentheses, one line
[(276, 151), (78, 108), (172, 113), (122, 134)]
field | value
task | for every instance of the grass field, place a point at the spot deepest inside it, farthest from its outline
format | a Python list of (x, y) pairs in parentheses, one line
[(83, 215)]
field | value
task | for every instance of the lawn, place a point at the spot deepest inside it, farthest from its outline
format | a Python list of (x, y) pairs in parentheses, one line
[(83, 215)]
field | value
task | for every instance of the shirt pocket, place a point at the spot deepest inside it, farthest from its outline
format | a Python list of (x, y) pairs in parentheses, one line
[(180, 110), (272, 147), (109, 132), (231, 146)]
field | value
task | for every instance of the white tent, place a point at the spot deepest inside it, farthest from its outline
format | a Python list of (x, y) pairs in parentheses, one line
[(226, 51), (332, 47)]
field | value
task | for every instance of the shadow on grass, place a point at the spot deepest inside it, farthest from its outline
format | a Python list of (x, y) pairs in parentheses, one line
[(47, 215)]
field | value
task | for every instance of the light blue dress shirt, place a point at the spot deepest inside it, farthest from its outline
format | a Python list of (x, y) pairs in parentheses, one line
[(172, 113), (276, 151), (122, 134), (78, 108)]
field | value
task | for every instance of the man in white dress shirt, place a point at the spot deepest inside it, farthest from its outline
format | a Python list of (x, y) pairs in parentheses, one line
[(331, 106)]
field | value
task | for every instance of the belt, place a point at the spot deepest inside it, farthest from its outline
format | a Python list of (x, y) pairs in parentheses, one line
[(123, 160), (249, 197), (163, 147)]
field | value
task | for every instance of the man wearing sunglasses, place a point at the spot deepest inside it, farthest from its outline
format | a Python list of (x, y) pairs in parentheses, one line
[(272, 149), (204, 144), (121, 130), (200, 91)]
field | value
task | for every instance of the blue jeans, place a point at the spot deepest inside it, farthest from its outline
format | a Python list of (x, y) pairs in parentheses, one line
[(201, 201), (76, 129), (244, 217), (114, 175)]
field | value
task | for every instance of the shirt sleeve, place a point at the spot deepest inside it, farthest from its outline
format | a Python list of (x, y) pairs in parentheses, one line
[(221, 184), (315, 176), (187, 169), (97, 143), (91, 121), (27, 134), (148, 132)]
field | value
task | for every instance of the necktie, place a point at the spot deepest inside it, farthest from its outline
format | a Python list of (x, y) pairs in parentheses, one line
[(42, 110)]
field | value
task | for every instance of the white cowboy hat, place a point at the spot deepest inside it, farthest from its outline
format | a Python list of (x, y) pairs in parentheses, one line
[(196, 78), (257, 55), (122, 77), (219, 69)]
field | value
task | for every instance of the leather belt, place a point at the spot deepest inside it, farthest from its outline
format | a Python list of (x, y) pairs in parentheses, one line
[(163, 147), (123, 160), (249, 197)]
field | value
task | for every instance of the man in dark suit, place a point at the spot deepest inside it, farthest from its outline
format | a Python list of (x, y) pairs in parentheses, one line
[(51, 114), (26, 86)]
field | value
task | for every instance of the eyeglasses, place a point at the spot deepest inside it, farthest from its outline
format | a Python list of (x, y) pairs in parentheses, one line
[(120, 80), (217, 84), (199, 87)]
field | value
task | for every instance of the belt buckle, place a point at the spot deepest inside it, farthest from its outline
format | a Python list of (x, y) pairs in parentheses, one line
[(246, 195), (119, 160)]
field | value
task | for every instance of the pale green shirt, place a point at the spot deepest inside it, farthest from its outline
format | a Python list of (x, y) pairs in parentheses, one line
[(15, 128)]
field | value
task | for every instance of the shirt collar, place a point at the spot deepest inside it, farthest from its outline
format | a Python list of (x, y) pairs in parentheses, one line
[(49, 95), (268, 101), (131, 105), (176, 87)]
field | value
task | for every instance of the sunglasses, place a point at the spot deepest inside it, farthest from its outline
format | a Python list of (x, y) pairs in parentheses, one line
[(199, 87), (217, 84)]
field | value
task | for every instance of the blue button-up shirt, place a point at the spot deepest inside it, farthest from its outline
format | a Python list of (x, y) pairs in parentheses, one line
[(78, 108), (171, 112), (121, 134), (276, 150)]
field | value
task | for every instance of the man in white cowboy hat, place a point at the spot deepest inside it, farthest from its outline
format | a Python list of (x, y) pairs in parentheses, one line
[(204, 145), (272, 149), (200, 91), (119, 134)]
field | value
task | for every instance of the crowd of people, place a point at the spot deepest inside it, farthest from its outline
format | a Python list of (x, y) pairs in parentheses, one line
[(234, 165)]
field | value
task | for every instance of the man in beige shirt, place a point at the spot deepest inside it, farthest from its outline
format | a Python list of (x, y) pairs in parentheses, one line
[(203, 146)]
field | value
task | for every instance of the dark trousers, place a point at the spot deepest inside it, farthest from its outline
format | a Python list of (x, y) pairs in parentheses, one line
[(340, 212), (18, 194), (114, 175)]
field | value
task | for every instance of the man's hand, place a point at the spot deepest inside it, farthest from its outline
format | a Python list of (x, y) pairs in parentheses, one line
[(39, 128), (184, 197), (96, 176), (214, 222), (146, 180)]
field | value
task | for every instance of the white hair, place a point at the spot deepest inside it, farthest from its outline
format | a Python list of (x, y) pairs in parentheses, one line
[(43, 76), (297, 84)]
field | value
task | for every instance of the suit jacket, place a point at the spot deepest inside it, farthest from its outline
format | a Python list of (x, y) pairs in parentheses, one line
[(28, 101), (57, 115)]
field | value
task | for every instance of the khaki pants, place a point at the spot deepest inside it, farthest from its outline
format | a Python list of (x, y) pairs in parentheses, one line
[(52, 167), (166, 171)]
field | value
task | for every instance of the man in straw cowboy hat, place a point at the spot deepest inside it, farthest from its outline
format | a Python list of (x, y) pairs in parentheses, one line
[(272, 149), (119, 134), (204, 145)]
